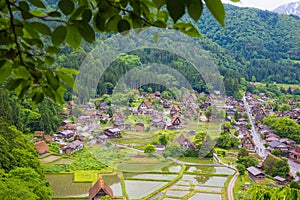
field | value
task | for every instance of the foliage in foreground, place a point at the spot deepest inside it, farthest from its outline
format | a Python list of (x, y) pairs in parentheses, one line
[(271, 193), (21, 176), (28, 53)]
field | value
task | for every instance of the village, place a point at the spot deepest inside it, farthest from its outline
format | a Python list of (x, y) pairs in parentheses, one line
[(151, 126)]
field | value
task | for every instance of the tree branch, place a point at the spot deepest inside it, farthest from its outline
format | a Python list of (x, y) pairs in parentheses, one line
[(130, 12), (13, 28)]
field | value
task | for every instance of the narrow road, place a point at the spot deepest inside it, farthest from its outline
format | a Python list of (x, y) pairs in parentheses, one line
[(231, 186), (259, 147), (127, 147), (232, 181)]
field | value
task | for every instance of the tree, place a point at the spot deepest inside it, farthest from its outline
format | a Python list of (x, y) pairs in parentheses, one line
[(243, 153), (163, 139), (174, 151), (295, 184), (150, 148), (28, 56), (267, 193), (199, 138), (285, 107), (275, 166), (106, 197), (241, 168)]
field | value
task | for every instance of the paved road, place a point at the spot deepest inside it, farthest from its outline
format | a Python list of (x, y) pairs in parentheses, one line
[(259, 147), (294, 167), (232, 181), (231, 186)]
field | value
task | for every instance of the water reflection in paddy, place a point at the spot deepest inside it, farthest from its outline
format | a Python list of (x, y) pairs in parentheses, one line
[(149, 167), (210, 170), (198, 196), (150, 176), (205, 180), (138, 189)]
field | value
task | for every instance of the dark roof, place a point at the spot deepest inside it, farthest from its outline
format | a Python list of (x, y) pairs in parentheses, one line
[(74, 144), (97, 187), (275, 143), (182, 138), (41, 147), (279, 178), (254, 171)]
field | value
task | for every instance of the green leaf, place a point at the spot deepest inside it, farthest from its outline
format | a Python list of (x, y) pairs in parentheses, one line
[(73, 37), (217, 10), (163, 15), (22, 72), (87, 15), (176, 10), (85, 30), (77, 13), (195, 8), (99, 22), (54, 14), (5, 70), (68, 79), (24, 5), (66, 6), (52, 80), (37, 13), (48, 91), (123, 25), (59, 35), (52, 50), (38, 96), (160, 24), (37, 3), (112, 24), (187, 29), (14, 83), (42, 28), (159, 3), (49, 60), (67, 70)]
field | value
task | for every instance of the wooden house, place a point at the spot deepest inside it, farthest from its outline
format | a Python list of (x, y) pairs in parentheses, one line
[(158, 122), (276, 145), (38, 135), (139, 127), (145, 104), (280, 181), (185, 143), (247, 142), (256, 174), (175, 110), (41, 147), (166, 104), (113, 132), (99, 190), (175, 123), (72, 147)]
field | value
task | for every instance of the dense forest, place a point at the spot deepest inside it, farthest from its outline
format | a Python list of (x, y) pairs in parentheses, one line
[(255, 45)]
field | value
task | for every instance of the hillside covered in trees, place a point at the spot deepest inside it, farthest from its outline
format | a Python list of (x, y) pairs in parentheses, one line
[(255, 45)]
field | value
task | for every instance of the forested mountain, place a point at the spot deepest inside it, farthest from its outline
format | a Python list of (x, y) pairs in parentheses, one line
[(256, 45), (265, 44), (289, 9)]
